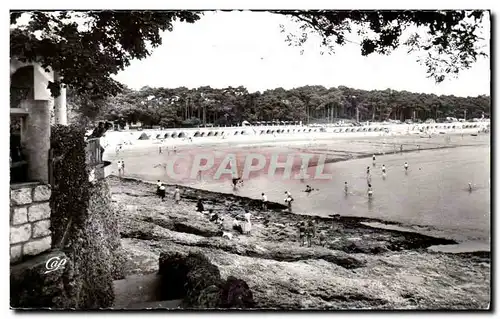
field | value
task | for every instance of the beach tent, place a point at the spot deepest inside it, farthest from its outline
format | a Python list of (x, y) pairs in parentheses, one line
[(143, 136)]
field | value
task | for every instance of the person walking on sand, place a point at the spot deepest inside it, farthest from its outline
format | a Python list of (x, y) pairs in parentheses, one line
[(159, 149), (470, 187), (120, 168), (346, 188), (406, 166), (368, 170), (264, 202), (373, 159), (289, 200), (383, 171), (177, 195)]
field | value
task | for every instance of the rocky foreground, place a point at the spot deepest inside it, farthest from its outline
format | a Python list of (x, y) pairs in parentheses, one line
[(350, 266)]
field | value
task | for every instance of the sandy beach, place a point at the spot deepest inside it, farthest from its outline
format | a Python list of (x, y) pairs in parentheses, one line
[(351, 265)]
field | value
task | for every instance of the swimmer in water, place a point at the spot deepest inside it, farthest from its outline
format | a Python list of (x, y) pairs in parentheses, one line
[(406, 166), (346, 189), (370, 191)]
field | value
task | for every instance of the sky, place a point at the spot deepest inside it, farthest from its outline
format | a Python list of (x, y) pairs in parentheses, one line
[(247, 48)]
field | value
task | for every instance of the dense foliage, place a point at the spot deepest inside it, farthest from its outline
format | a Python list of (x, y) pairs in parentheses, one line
[(450, 40), (87, 47), (83, 222), (314, 104)]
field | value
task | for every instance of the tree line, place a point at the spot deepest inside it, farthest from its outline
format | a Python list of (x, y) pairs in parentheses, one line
[(183, 107)]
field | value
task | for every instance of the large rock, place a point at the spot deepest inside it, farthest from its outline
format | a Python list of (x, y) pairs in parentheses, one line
[(202, 274), (209, 298), (235, 293), (194, 278)]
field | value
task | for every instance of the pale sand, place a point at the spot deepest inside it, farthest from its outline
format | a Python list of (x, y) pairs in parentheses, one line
[(270, 140)]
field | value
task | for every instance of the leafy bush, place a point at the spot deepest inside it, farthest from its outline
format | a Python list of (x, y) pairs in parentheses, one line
[(83, 221)]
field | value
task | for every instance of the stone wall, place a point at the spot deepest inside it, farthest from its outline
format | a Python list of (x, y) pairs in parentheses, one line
[(30, 233)]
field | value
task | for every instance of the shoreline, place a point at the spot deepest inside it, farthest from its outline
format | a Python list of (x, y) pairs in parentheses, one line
[(375, 223), (438, 144), (271, 260)]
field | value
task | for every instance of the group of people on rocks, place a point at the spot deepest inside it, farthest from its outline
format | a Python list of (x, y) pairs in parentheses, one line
[(161, 192), (307, 231)]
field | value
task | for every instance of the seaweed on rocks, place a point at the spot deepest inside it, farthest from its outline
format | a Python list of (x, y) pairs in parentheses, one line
[(235, 293), (195, 279)]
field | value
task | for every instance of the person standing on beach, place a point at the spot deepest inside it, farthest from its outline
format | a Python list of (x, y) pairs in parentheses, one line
[(158, 185), (373, 160), (264, 202), (199, 206), (159, 149), (346, 189), (177, 195), (161, 192), (120, 168), (175, 149), (302, 232), (289, 200), (368, 170), (406, 166), (401, 148), (310, 232), (247, 225)]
